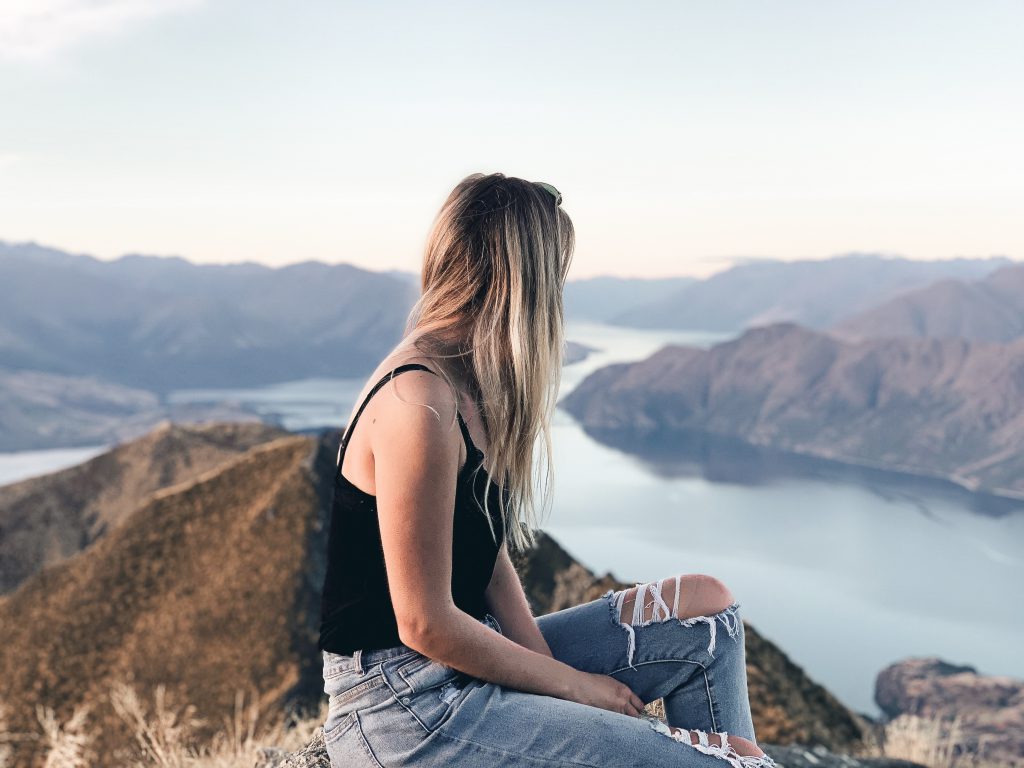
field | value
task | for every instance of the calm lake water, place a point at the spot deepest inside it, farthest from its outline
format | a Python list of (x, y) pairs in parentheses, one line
[(20, 465), (846, 571)]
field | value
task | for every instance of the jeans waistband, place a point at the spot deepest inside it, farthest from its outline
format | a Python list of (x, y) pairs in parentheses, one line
[(360, 659)]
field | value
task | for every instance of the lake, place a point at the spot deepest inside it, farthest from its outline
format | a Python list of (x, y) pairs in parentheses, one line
[(846, 570)]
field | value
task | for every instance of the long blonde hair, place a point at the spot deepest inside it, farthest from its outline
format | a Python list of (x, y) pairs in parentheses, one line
[(494, 269)]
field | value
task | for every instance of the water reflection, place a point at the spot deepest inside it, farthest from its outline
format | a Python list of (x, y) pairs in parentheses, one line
[(721, 459)]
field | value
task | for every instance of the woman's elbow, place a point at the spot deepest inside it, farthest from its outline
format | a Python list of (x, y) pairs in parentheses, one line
[(426, 630)]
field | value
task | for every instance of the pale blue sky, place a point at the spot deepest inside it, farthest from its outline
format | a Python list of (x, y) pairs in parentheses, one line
[(681, 134)]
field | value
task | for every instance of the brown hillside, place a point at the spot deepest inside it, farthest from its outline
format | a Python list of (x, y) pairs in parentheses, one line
[(212, 586), (207, 588), (46, 519)]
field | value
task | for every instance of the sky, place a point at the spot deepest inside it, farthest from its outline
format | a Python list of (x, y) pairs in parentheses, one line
[(683, 135)]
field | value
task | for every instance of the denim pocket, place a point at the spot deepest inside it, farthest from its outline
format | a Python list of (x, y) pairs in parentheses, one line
[(346, 745), (338, 725), (344, 691), (427, 689), (423, 674)]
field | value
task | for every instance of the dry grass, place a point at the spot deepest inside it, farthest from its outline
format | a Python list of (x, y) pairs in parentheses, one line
[(937, 742), (65, 745), (164, 737), (164, 734), (8, 737)]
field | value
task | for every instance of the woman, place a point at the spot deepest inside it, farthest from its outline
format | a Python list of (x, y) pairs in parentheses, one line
[(431, 654)]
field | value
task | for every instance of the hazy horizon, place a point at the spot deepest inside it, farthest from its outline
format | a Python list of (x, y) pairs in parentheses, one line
[(721, 265), (682, 135)]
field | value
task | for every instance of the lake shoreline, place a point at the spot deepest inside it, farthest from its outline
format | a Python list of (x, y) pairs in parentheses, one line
[(656, 447)]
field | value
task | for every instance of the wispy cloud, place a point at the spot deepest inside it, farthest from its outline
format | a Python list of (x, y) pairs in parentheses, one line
[(38, 29)]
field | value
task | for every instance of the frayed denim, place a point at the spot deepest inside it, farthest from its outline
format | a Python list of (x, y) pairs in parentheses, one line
[(396, 707)]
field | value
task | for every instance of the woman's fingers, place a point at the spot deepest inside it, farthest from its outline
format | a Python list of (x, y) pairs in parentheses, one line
[(634, 707)]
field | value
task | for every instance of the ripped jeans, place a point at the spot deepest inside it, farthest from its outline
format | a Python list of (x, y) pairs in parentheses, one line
[(396, 707)]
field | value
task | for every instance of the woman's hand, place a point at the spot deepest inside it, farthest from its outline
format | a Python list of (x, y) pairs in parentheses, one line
[(606, 692)]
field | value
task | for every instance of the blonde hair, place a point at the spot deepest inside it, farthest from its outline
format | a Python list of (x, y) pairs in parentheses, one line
[(494, 269)]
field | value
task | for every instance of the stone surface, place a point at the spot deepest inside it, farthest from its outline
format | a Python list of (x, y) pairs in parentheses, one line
[(989, 708)]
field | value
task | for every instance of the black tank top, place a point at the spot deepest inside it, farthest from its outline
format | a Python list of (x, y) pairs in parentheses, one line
[(356, 609)]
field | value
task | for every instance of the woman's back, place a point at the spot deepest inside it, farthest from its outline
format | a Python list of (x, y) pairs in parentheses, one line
[(357, 610)]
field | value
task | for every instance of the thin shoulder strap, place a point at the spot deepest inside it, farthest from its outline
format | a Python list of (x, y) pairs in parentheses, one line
[(380, 383)]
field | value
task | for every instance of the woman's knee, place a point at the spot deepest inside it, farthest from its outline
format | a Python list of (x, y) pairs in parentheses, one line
[(704, 595), (743, 747), (685, 595)]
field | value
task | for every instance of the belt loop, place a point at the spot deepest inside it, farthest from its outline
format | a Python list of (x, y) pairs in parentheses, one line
[(358, 656)]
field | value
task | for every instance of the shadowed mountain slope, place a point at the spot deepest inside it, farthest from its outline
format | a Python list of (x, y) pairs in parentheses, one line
[(46, 519)]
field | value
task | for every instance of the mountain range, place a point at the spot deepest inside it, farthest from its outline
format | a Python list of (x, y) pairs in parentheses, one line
[(162, 323), (816, 293), (90, 349), (165, 323), (990, 309)]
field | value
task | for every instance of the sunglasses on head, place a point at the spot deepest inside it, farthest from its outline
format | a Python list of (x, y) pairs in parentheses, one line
[(554, 192)]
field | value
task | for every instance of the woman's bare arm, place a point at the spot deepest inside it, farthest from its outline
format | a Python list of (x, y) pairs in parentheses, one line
[(417, 453), (509, 605)]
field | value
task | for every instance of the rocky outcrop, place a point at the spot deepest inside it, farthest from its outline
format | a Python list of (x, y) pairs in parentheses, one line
[(313, 755), (990, 708), (942, 408)]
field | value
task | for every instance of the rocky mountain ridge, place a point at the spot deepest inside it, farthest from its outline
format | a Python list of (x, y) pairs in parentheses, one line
[(44, 520)]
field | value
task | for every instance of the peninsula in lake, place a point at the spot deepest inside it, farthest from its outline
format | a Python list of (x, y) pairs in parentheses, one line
[(948, 408)]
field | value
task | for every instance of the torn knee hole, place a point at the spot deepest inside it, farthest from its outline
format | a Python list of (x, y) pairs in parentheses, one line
[(650, 604), (716, 744), (656, 601), (697, 736)]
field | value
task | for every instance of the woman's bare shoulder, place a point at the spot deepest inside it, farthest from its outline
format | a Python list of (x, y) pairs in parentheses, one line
[(411, 397)]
